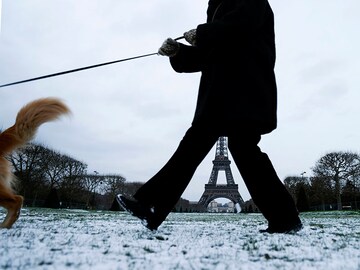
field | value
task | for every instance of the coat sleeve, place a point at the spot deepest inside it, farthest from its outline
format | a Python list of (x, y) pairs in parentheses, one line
[(241, 20), (188, 59)]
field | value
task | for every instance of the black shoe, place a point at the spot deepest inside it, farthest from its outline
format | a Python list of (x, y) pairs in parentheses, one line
[(289, 229), (143, 212)]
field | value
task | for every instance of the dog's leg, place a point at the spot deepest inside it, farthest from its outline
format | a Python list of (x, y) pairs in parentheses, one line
[(12, 203), (28, 120)]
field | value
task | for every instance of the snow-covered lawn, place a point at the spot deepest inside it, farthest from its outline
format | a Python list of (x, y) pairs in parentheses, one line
[(73, 239)]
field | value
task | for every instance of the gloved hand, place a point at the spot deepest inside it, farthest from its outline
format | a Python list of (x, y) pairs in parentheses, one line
[(169, 48), (190, 36)]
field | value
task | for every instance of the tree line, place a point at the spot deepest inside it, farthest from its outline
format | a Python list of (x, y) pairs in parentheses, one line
[(334, 184), (47, 178)]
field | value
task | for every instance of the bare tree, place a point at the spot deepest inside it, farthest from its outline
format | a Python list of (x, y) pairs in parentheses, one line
[(40, 169), (321, 192), (293, 183), (54, 168), (338, 168), (92, 184), (299, 187), (113, 184), (27, 165), (71, 184)]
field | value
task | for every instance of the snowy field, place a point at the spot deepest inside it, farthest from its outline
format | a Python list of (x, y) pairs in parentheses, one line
[(73, 239)]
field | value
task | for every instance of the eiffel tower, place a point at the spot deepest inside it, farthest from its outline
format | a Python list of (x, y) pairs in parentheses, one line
[(212, 189)]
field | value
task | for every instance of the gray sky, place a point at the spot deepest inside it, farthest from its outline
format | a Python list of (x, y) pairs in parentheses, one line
[(128, 118)]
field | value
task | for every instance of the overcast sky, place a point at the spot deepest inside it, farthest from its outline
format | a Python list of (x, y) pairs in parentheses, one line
[(128, 118)]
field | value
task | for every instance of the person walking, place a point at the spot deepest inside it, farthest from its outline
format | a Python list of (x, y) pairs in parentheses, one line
[(235, 53)]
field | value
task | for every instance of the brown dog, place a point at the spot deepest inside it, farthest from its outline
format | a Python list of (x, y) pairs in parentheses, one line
[(29, 118)]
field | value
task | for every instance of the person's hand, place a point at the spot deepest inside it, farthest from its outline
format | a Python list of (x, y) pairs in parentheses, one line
[(169, 48), (190, 36)]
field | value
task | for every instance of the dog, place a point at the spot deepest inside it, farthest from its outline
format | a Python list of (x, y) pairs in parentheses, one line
[(28, 119)]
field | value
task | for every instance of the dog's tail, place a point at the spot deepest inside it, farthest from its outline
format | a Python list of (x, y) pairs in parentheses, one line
[(29, 118)]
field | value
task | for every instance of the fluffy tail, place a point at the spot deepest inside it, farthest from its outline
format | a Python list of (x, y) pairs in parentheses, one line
[(29, 118)]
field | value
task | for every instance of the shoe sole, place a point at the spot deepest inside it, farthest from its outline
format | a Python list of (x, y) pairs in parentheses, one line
[(122, 204), (291, 231), (143, 220)]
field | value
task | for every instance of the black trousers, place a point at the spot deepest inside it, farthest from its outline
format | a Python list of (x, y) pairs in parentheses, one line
[(165, 188)]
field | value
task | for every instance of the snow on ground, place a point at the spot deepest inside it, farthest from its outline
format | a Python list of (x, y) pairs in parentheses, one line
[(74, 239)]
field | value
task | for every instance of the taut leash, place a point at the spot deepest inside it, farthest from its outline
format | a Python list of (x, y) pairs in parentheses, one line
[(80, 69)]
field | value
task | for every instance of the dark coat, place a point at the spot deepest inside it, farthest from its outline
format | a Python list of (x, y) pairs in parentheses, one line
[(235, 51)]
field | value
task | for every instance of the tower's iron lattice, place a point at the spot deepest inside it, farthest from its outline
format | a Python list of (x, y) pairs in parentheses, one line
[(212, 189)]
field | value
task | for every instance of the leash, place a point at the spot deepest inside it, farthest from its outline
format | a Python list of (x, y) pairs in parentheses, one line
[(82, 68)]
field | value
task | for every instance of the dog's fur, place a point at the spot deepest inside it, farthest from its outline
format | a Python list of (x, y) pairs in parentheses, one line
[(28, 119)]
